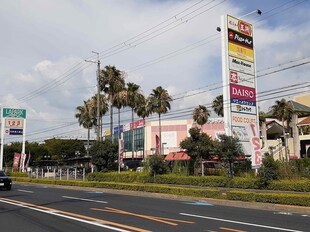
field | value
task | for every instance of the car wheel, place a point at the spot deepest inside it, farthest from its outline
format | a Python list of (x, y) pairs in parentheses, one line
[(9, 188)]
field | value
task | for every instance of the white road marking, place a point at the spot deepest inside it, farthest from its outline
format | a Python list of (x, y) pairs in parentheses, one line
[(83, 199), (283, 213), (68, 217), (242, 223), (25, 191), (305, 215)]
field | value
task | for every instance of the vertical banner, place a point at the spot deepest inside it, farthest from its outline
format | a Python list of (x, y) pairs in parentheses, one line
[(16, 161), (22, 162), (240, 87), (120, 153)]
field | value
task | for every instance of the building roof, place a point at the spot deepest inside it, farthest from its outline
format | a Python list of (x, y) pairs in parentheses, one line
[(181, 155), (297, 107), (304, 122)]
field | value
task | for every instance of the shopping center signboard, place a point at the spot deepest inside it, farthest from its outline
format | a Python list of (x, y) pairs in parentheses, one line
[(240, 87)]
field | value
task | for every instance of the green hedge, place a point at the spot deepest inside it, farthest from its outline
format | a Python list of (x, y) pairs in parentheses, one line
[(290, 185), (203, 181), (275, 198), (17, 174)]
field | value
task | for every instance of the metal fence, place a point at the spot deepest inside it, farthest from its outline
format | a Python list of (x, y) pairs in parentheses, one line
[(72, 173)]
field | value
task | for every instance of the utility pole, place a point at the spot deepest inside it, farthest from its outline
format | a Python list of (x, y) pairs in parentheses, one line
[(98, 95)]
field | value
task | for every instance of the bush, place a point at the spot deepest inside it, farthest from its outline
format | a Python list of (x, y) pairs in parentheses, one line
[(268, 172), (155, 165)]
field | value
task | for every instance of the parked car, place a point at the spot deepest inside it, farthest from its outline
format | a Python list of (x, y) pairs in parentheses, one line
[(5, 181)]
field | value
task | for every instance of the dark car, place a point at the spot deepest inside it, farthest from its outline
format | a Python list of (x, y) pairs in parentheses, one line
[(5, 181)]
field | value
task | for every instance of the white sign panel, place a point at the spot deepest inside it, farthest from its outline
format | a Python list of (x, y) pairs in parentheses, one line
[(244, 109), (170, 138), (241, 79), (14, 123), (241, 65)]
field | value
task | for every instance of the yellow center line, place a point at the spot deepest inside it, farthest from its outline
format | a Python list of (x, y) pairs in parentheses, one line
[(137, 215), (233, 230), (78, 216)]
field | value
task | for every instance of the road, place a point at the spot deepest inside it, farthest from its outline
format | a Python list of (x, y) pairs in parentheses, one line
[(39, 208)]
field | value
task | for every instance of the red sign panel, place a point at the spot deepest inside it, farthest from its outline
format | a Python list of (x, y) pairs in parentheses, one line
[(242, 92), (137, 124)]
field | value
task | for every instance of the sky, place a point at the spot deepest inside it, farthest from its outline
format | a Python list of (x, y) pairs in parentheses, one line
[(173, 44)]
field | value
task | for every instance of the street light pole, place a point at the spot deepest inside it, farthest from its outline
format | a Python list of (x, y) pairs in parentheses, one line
[(98, 94)]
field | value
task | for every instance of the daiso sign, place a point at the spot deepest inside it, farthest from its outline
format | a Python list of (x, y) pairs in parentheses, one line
[(242, 92)]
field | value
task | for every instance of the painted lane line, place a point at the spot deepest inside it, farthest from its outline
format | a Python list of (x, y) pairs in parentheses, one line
[(25, 191), (200, 203), (75, 217), (230, 229), (283, 213), (83, 199), (168, 221), (241, 223), (94, 192)]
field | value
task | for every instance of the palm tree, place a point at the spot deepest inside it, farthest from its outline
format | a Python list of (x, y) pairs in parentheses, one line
[(119, 101), (133, 97), (160, 104), (143, 111), (218, 106), (102, 110), (282, 111), (201, 115), (111, 82), (263, 127), (86, 118)]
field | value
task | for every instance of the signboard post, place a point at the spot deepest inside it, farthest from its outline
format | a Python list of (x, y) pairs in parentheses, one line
[(14, 121), (239, 85)]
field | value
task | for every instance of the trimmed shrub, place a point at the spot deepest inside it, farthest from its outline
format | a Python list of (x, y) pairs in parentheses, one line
[(291, 185), (274, 198), (17, 174)]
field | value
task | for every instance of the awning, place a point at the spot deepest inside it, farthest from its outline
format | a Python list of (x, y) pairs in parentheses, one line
[(177, 156)]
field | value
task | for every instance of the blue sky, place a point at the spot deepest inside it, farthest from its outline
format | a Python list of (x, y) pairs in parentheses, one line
[(44, 44)]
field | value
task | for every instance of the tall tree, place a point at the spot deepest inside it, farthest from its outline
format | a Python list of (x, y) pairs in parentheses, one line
[(86, 118), (229, 149), (218, 105), (282, 111), (201, 115), (160, 104), (102, 110), (120, 101), (198, 146), (143, 111), (134, 96), (111, 82)]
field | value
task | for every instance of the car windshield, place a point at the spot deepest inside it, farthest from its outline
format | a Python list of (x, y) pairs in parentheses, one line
[(2, 173)]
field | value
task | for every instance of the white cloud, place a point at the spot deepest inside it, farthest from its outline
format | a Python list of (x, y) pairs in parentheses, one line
[(48, 38)]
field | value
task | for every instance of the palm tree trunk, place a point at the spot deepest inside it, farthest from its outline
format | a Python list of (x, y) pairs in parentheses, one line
[(119, 123), (132, 134), (159, 122), (111, 121), (296, 141), (284, 138), (88, 136)]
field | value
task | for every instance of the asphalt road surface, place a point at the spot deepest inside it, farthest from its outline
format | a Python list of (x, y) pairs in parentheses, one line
[(39, 208)]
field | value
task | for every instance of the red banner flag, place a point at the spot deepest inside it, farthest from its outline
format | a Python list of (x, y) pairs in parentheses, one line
[(16, 160), (157, 144)]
